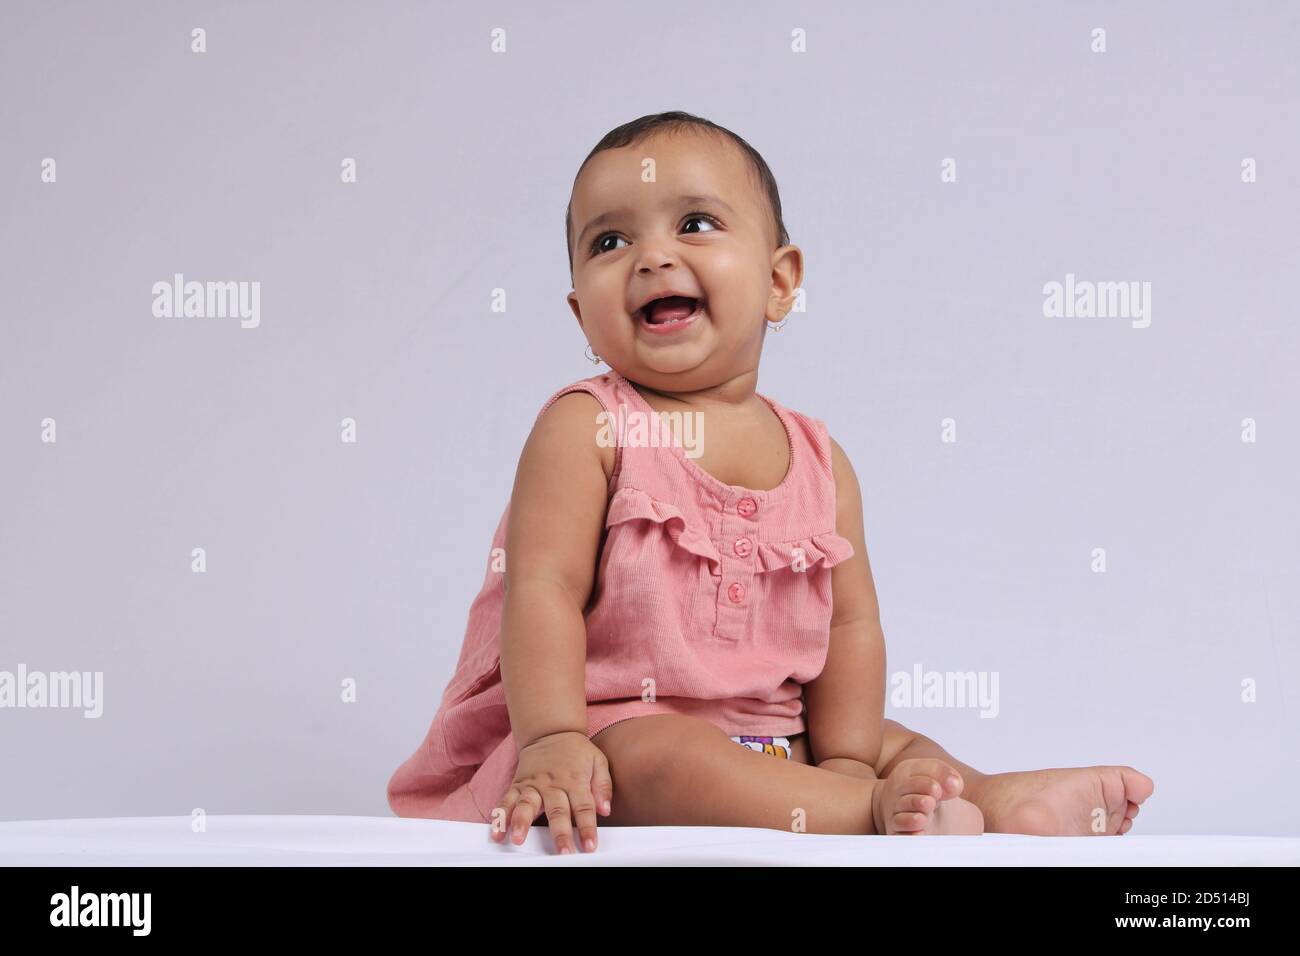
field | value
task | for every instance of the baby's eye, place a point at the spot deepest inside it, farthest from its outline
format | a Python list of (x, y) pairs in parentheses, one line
[(598, 246), (701, 217)]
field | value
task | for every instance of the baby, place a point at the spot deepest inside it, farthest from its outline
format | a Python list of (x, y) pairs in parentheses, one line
[(688, 631)]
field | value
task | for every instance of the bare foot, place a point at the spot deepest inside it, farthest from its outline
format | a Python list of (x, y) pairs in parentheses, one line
[(1078, 801), (920, 796)]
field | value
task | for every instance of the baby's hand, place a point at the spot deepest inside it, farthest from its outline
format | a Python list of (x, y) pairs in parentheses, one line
[(568, 775)]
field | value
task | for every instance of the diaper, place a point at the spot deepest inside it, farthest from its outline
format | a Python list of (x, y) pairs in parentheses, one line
[(777, 746)]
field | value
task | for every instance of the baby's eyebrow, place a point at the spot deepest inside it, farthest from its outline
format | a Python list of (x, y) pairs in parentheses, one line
[(705, 201), (601, 220), (613, 214)]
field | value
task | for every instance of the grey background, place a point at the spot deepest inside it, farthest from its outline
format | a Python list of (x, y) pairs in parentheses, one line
[(329, 561)]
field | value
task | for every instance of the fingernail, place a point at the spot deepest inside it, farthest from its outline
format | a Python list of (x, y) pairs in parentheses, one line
[(589, 844), (566, 849)]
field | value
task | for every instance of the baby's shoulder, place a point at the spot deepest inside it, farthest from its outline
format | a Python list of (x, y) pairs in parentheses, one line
[(571, 424), (810, 425), (818, 435)]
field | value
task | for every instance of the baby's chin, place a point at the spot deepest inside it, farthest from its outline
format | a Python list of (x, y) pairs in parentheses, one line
[(671, 361)]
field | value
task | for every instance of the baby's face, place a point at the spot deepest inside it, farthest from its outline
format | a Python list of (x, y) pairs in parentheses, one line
[(702, 229)]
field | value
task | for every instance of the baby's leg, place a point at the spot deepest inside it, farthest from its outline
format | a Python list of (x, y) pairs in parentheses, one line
[(672, 770)]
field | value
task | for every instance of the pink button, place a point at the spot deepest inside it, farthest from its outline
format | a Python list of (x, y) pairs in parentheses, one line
[(743, 546), (746, 507), (736, 592)]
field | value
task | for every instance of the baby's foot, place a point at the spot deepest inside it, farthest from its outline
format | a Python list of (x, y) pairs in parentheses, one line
[(920, 796), (1078, 801)]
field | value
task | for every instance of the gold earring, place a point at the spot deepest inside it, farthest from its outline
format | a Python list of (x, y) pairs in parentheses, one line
[(592, 356)]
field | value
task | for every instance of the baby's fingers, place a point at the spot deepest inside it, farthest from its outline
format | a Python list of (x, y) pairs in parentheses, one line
[(584, 812), (526, 810), (500, 816), (602, 787), (558, 818), (587, 801)]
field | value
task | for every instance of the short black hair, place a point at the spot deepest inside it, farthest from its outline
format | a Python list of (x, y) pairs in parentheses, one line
[(634, 132)]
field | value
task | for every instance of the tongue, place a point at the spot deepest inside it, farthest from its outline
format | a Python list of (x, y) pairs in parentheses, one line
[(670, 309)]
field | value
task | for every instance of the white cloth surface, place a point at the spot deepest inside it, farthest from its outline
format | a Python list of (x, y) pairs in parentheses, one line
[(288, 840)]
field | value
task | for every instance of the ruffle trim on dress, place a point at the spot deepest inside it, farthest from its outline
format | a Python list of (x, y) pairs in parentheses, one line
[(633, 504), (829, 548)]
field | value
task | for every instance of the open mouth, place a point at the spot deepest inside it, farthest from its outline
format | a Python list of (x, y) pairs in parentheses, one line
[(669, 313)]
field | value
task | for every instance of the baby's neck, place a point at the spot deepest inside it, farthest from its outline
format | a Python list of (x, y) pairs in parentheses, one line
[(736, 394)]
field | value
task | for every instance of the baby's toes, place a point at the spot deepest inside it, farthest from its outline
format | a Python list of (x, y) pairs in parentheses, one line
[(929, 775), (909, 822), (1137, 785), (914, 808), (917, 803), (913, 812), (1127, 823), (909, 797)]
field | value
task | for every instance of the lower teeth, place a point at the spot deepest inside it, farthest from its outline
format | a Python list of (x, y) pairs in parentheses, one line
[(668, 321)]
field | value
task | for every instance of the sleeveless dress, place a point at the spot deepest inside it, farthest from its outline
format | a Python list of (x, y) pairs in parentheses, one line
[(709, 600)]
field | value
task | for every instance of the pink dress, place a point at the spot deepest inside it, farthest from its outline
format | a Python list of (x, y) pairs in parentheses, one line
[(710, 600)]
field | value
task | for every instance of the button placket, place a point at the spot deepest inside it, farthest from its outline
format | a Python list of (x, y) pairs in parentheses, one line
[(737, 544)]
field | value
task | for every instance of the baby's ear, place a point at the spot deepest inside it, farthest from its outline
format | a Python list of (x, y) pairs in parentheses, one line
[(572, 299)]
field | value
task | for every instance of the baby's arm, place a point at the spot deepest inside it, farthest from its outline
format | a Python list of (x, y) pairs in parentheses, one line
[(557, 514), (557, 511), (846, 702)]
